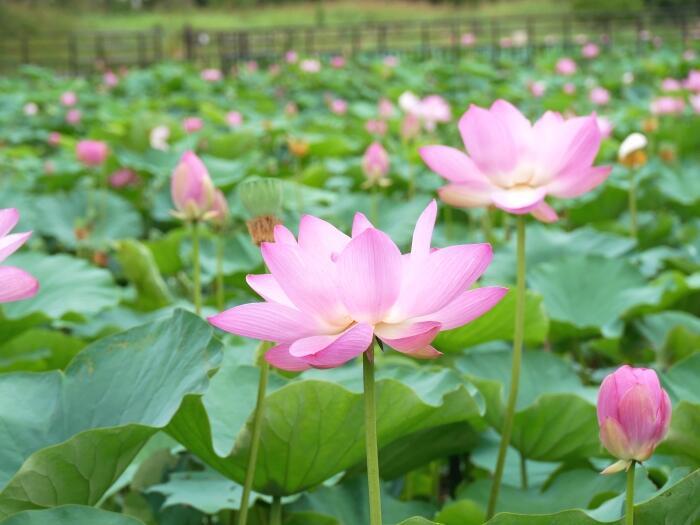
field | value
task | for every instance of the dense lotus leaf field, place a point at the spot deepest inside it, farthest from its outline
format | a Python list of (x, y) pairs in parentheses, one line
[(120, 406)]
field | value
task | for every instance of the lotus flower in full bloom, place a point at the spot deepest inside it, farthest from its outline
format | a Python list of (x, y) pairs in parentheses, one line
[(192, 190), (590, 50), (514, 165), (91, 153), (328, 295), (15, 284), (566, 66), (634, 413), (69, 98)]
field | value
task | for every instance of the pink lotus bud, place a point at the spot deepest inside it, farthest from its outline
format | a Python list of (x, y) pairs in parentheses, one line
[(505, 42), (291, 57), (693, 81), (274, 69), (599, 96), (252, 66), (30, 109), (569, 88), (410, 127), (110, 79), (376, 127), (211, 75), (91, 153), (219, 210), (191, 188), (468, 39), (234, 118), (385, 108), (590, 50), (339, 106), (310, 65), (633, 413), (122, 178), (69, 98), (537, 88), (670, 85), (338, 62), (566, 66), (391, 61), (667, 106), (375, 163), (54, 138), (74, 116), (291, 109), (695, 103), (192, 124)]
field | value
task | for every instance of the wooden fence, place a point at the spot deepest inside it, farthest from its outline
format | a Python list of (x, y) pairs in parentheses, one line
[(497, 37)]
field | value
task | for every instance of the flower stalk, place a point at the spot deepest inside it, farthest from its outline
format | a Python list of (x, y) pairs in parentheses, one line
[(276, 511), (375, 504), (515, 370), (196, 269), (629, 495), (220, 245)]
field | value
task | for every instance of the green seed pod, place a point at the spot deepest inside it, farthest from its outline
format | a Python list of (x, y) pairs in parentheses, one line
[(261, 196)]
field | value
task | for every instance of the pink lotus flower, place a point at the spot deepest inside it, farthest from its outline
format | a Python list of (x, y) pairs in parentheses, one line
[(385, 108), (634, 413), (375, 164), (410, 127), (566, 66), (191, 189), (339, 106), (252, 66), (391, 61), (123, 178), (376, 127), (69, 98), (192, 124), (667, 106), (74, 116), (211, 75), (291, 57), (54, 138), (338, 62), (15, 284), (30, 109), (91, 153), (310, 65), (234, 118), (219, 209), (689, 55), (328, 294), (514, 165), (671, 84), (695, 103), (537, 88), (468, 39), (430, 110), (274, 69), (569, 88), (605, 126), (110, 79), (692, 83), (590, 50), (505, 42), (599, 96)]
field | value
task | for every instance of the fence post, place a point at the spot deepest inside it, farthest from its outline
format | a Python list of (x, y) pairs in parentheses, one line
[(157, 35), (531, 44), (381, 38), (456, 41), (566, 33), (141, 43), (424, 39), (25, 49), (73, 54), (188, 42), (495, 44), (640, 29), (356, 40)]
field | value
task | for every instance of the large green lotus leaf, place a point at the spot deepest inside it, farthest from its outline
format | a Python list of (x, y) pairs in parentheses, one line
[(67, 286), (555, 414), (419, 521), (674, 335), (60, 214), (546, 243), (207, 491), (39, 349), (681, 382), (68, 437), (498, 324), (140, 268), (681, 184), (313, 426), (673, 504), (348, 504), (70, 515), (591, 292)]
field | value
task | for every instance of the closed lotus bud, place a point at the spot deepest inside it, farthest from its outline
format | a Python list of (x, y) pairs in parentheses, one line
[(219, 210), (192, 189), (375, 164), (632, 152), (262, 199), (91, 153), (633, 413)]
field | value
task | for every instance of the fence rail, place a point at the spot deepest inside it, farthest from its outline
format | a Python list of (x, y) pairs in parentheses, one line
[(522, 36)]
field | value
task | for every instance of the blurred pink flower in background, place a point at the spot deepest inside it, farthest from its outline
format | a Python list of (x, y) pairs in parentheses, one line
[(110, 79), (211, 75), (565, 66), (69, 98), (234, 118), (49, 167), (252, 66), (391, 61), (158, 138), (430, 110), (634, 414), (122, 178), (291, 57), (54, 138), (192, 124), (15, 284), (338, 62), (569, 88), (328, 294), (91, 153), (599, 96), (291, 109), (590, 50), (468, 39), (505, 42), (605, 126), (671, 84), (375, 164), (338, 106), (310, 65), (385, 108), (513, 164), (191, 189), (667, 106), (74, 116), (689, 55), (274, 69), (695, 102), (537, 88), (410, 127), (376, 127), (30, 109), (692, 82)]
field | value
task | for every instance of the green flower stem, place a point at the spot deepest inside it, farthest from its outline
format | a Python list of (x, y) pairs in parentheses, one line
[(375, 503), (220, 272), (523, 471), (196, 270), (633, 203), (276, 511), (629, 496), (515, 370), (374, 204), (255, 436)]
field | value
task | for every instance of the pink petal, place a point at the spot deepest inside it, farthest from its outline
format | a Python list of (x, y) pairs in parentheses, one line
[(663, 417), (16, 284), (432, 282), (267, 287), (570, 146), (607, 400), (359, 224), (10, 243), (321, 238), (464, 196), (307, 280), (9, 217), (544, 212), (283, 235), (423, 232), (408, 336), (575, 183), (452, 165), (267, 322), (519, 127), (279, 357), (488, 141), (467, 306), (369, 275), (614, 440), (348, 345), (637, 416), (427, 352), (519, 200)]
